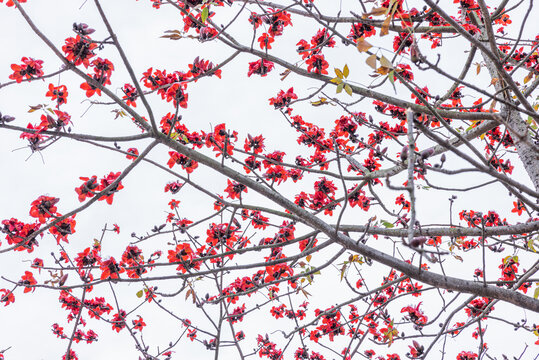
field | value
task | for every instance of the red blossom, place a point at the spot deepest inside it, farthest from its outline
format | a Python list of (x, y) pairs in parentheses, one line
[(29, 69)]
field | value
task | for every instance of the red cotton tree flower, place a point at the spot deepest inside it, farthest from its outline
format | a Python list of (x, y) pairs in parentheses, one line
[(293, 179)]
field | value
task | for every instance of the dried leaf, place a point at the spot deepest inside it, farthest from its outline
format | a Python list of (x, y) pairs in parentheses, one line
[(322, 101), (35, 107), (385, 26), (285, 73), (371, 61), (339, 73), (386, 63), (528, 77), (63, 280), (343, 271), (491, 108), (308, 258), (171, 37), (478, 69), (377, 11), (363, 45), (346, 71)]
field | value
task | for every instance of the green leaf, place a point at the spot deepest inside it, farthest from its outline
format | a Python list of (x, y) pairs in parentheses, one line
[(346, 71), (205, 14), (536, 293), (530, 245), (340, 87), (391, 76), (343, 271), (348, 89), (140, 293), (387, 224)]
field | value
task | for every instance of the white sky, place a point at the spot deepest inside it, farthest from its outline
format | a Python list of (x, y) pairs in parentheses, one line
[(239, 101)]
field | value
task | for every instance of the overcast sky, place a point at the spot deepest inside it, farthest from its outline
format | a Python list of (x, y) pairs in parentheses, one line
[(239, 101)]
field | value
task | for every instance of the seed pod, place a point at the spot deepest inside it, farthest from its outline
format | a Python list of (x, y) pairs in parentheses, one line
[(425, 154), (63, 280), (418, 241), (404, 153)]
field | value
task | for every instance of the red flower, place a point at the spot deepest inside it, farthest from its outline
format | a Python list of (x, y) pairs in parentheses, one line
[(107, 181), (519, 207), (79, 50), (203, 67), (72, 356), (180, 159), (254, 144), (322, 38), (361, 30), (176, 94), (283, 99), (18, 232), (261, 67), (118, 321), (58, 93), (10, 3), (415, 315), (133, 153), (317, 64), (29, 69), (265, 41), (103, 67), (466, 355), (92, 89), (7, 297), (130, 95), (182, 253), (173, 187), (477, 306), (139, 323), (174, 204), (87, 258), (44, 208), (235, 189), (401, 200), (27, 280), (86, 190), (110, 269), (37, 264), (63, 228)]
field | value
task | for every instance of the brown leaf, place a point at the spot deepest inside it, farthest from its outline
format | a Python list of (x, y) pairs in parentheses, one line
[(63, 280), (386, 63), (363, 45), (285, 73), (385, 26), (528, 77), (377, 11), (371, 61)]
